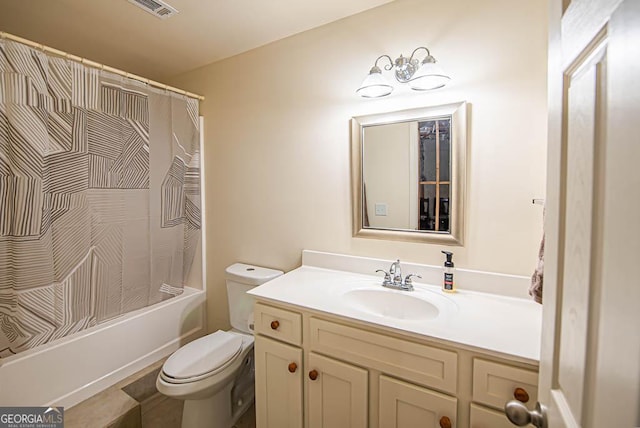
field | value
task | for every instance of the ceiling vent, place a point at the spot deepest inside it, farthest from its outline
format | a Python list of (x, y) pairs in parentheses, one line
[(157, 8)]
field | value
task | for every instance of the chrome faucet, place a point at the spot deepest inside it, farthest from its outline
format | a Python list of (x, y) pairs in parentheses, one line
[(396, 273), (393, 278)]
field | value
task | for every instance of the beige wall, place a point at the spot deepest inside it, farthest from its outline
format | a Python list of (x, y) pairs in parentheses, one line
[(277, 135)]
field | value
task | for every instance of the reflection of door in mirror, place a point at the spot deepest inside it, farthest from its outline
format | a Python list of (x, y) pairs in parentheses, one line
[(389, 177), (435, 173), (406, 169)]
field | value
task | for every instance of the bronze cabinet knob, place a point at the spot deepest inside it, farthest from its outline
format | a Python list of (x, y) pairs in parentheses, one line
[(293, 367), (275, 324), (445, 422), (521, 395), (313, 374)]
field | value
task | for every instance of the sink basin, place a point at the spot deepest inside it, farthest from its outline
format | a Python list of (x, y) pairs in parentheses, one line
[(391, 304)]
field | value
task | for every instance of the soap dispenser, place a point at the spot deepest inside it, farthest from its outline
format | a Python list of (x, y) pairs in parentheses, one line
[(448, 285)]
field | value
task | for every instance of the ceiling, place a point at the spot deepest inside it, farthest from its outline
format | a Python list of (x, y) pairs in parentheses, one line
[(121, 35)]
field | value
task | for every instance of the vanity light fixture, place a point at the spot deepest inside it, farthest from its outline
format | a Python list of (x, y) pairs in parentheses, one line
[(422, 75)]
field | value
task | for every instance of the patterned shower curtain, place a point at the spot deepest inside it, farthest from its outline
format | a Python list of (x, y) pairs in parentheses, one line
[(99, 196)]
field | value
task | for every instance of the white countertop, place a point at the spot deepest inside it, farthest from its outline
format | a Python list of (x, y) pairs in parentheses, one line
[(505, 325)]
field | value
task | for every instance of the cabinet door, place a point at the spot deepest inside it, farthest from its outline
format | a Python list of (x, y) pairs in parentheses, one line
[(338, 394), (403, 405), (278, 384)]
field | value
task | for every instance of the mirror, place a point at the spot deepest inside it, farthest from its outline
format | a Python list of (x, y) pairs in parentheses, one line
[(408, 174)]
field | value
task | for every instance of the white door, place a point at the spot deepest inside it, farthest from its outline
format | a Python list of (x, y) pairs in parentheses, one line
[(590, 361)]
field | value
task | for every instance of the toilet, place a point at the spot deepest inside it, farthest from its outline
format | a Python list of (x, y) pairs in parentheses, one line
[(214, 374)]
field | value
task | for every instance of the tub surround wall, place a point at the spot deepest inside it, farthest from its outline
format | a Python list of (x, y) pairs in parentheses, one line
[(277, 140)]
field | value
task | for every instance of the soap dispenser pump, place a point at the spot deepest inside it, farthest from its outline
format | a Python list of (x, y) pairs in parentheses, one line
[(448, 285)]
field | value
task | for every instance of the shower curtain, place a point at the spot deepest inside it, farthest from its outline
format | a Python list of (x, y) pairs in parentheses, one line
[(99, 196)]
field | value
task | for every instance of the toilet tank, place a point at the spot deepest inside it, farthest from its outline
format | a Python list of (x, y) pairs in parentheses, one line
[(240, 279)]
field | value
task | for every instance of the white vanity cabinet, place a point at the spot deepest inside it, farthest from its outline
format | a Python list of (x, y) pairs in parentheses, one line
[(354, 375)]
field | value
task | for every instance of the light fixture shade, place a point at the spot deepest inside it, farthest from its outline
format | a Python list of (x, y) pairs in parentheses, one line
[(429, 76), (374, 85)]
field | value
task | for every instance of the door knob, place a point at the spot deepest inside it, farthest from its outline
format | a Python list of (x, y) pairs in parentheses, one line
[(520, 416)]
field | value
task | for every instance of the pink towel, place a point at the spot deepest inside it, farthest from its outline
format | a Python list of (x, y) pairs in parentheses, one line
[(535, 290)]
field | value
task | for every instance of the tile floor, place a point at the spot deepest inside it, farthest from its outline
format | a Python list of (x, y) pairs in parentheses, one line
[(135, 403), (248, 420)]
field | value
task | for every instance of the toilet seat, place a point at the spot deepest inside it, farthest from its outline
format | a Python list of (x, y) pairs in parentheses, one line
[(202, 358)]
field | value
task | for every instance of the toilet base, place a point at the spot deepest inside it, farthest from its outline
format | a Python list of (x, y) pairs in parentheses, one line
[(224, 408), (214, 412)]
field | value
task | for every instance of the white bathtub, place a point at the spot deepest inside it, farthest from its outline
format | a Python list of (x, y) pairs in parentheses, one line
[(74, 368)]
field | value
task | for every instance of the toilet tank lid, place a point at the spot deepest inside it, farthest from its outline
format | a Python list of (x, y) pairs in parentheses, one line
[(250, 274)]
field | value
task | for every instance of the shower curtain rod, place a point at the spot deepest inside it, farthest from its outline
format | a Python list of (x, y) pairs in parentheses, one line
[(94, 64)]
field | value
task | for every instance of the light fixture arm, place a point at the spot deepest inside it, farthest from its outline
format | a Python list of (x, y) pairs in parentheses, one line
[(386, 67), (416, 50)]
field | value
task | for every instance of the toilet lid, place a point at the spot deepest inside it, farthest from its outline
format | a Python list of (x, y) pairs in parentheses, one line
[(203, 355)]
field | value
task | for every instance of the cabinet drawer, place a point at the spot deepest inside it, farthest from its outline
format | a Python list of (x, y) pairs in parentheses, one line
[(417, 363), (481, 417), (494, 384), (278, 323)]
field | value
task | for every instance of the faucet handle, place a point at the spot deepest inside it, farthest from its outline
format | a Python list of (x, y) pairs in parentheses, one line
[(408, 280), (387, 277)]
